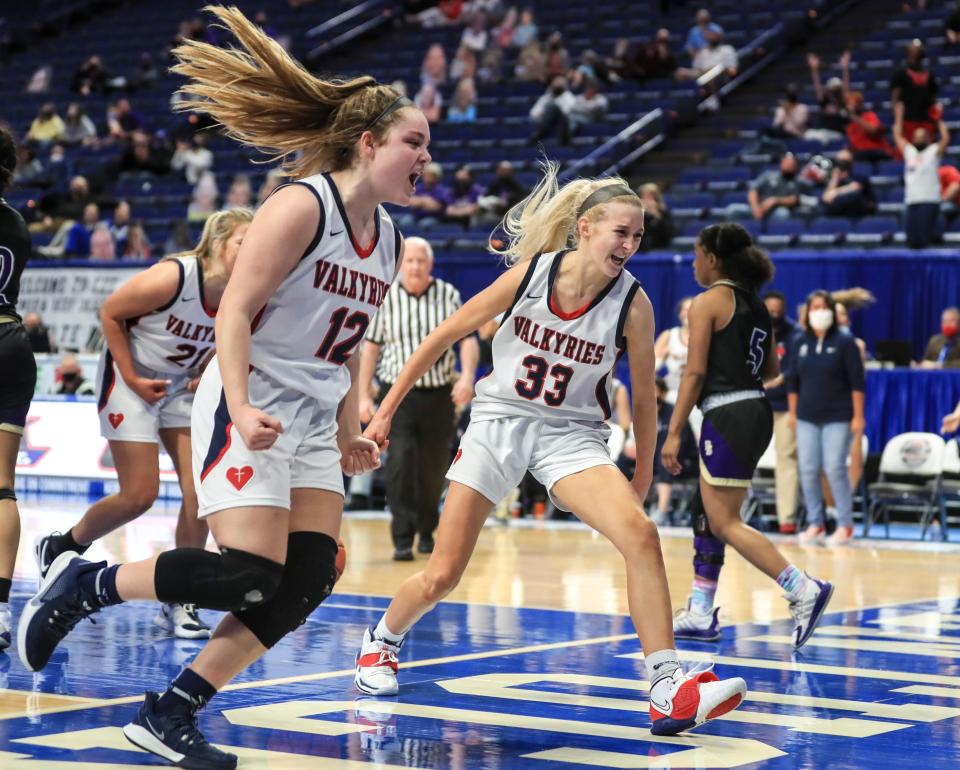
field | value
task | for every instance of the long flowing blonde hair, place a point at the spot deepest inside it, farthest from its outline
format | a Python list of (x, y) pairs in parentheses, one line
[(546, 220), (216, 231), (264, 98)]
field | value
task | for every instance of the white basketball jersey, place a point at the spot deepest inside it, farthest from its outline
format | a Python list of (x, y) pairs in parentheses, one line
[(319, 314), (549, 363), (176, 338)]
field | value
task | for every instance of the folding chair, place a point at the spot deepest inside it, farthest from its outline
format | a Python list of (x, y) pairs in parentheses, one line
[(909, 461)]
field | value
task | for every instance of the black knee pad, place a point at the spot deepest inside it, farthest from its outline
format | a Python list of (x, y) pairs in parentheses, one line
[(308, 578), (7, 494), (229, 580)]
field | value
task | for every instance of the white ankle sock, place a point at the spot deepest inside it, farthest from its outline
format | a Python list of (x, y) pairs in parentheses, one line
[(660, 665), (382, 632)]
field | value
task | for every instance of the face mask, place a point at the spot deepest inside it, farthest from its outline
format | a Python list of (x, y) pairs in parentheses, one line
[(949, 330), (845, 165), (921, 146), (69, 377), (820, 319), (788, 174)]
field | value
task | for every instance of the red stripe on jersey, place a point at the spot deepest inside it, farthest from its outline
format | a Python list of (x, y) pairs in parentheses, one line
[(256, 319), (571, 315), (363, 251)]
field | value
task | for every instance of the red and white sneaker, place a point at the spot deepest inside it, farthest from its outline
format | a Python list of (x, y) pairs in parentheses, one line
[(377, 666), (696, 697)]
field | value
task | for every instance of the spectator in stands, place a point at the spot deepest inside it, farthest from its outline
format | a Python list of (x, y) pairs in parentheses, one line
[(102, 246), (430, 198), (526, 31), (78, 196), (775, 193), (444, 12), (78, 128), (91, 77), (463, 105), (848, 193), (832, 120), (46, 128), (79, 234), (475, 36), (915, 87), (658, 228), (951, 26), (866, 132), (921, 178), (120, 224), (179, 238), (949, 191), (671, 349), (240, 194), (655, 59), (145, 73), (503, 32), (137, 245), (192, 157), (430, 102), (205, 195), (464, 204), (697, 36), (41, 341), (688, 457), (714, 53), (123, 121), (825, 397), (434, 67), (791, 116), (588, 108), (30, 171), (274, 178), (464, 64), (589, 70), (943, 350), (491, 66), (145, 155), (503, 192), (39, 82), (558, 59), (786, 473), (551, 112), (70, 380), (531, 63)]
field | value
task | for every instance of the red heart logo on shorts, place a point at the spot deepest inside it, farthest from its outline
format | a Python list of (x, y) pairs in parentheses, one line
[(239, 476), (458, 456), (115, 419)]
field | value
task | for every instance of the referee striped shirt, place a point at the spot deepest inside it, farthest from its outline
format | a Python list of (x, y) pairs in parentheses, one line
[(403, 322)]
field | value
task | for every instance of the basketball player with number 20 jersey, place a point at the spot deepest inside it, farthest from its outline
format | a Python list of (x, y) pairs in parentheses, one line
[(159, 332), (568, 315)]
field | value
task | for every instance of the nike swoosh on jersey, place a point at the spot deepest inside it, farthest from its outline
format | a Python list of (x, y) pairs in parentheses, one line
[(332, 234), (187, 299), (530, 296)]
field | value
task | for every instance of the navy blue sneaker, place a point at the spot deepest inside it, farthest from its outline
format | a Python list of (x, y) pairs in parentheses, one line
[(807, 610), (175, 737), (57, 607)]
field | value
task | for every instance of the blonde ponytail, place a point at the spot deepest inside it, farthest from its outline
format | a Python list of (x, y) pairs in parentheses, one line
[(546, 220), (264, 98)]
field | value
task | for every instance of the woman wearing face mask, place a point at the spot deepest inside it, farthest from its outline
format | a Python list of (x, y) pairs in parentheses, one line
[(825, 397)]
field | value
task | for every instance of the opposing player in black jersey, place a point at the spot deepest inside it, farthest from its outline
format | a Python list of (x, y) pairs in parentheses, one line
[(729, 359), (18, 374)]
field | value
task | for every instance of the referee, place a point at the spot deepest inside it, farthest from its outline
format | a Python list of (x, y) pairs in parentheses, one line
[(18, 375), (423, 426)]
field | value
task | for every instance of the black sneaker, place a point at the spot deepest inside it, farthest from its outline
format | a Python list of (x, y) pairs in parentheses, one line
[(175, 737), (403, 554), (57, 607), (425, 545)]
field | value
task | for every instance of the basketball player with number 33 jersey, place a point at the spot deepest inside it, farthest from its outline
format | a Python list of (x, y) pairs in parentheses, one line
[(570, 310)]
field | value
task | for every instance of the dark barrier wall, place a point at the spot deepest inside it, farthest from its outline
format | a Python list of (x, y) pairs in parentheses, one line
[(912, 288)]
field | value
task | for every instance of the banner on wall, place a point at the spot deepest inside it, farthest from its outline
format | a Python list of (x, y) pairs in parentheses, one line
[(68, 300), (62, 451)]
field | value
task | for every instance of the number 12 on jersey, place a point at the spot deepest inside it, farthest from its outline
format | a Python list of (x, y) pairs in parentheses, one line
[(341, 319)]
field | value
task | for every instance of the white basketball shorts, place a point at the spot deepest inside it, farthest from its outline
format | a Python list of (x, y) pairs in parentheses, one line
[(229, 475), (124, 416), (494, 454)]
